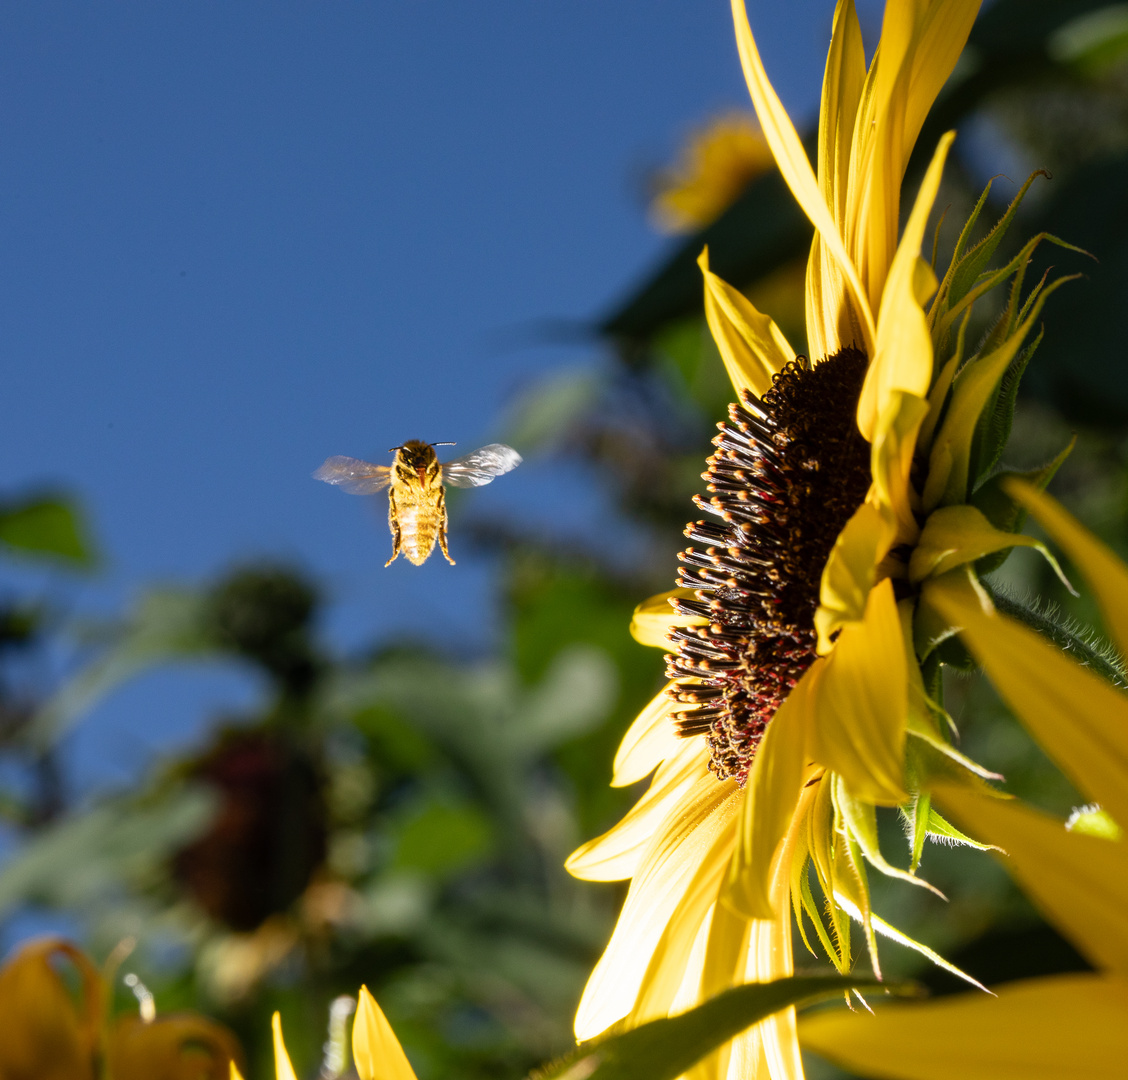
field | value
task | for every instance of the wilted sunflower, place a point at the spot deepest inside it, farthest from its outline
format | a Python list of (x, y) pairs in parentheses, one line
[(840, 484)]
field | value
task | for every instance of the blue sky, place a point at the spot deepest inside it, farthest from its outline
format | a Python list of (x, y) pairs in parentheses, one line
[(240, 237)]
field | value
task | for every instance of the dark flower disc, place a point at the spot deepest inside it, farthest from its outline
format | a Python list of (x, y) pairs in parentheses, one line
[(789, 470)]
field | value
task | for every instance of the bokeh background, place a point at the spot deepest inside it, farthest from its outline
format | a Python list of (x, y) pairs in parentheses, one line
[(238, 240)]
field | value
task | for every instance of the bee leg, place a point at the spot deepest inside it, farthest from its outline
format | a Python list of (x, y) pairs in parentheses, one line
[(442, 534), (393, 524)]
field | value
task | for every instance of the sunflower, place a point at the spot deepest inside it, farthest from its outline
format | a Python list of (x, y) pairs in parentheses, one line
[(839, 487), (1076, 872)]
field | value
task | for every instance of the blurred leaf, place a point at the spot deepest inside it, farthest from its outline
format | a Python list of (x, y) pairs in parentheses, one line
[(575, 695), (51, 527), (85, 858), (167, 624), (664, 1049), (440, 838), (544, 413)]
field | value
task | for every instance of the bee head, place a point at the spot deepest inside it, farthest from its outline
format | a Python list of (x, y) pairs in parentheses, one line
[(417, 457)]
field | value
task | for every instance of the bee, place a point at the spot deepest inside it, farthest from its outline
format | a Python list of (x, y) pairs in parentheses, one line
[(416, 497)]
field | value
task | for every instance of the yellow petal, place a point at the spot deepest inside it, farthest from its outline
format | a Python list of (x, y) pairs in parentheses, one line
[(891, 462), (685, 933), (653, 618), (1078, 718), (1079, 882), (649, 740), (44, 1033), (770, 798), (850, 572), (751, 345), (615, 855), (176, 1045), (956, 535), (903, 356), (282, 1066), (1106, 574), (235, 1073), (796, 169), (1065, 1027), (668, 867), (861, 700), (377, 1053)]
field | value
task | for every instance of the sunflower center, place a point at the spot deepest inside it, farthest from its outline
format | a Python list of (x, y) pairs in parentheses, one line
[(789, 470)]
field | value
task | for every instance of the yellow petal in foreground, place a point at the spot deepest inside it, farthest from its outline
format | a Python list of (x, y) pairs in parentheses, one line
[(751, 345), (1069, 1027), (1106, 574), (1079, 882), (377, 1053), (861, 703), (1079, 719), (283, 1068)]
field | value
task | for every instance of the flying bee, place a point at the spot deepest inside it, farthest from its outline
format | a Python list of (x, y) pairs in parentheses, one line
[(416, 497)]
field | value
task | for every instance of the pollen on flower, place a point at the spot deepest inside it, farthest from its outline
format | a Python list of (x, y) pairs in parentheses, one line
[(789, 470)]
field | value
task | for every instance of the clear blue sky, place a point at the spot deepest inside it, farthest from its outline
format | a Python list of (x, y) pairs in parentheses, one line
[(239, 237)]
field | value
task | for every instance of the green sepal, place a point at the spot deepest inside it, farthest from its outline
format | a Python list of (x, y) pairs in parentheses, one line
[(945, 830), (995, 422), (667, 1048), (993, 502), (967, 268)]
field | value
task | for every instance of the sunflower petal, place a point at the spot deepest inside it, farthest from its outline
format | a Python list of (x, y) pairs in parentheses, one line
[(891, 459), (751, 345), (1066, 1027), (1106, 574), (615, 855), (649, 740), (668, 867), (1079, 882), (653, 618), (1078, 718), (770, 799), (377, 1053), (282, 1066), (903, 357), (796, 168), (861, 703), (850, 572)]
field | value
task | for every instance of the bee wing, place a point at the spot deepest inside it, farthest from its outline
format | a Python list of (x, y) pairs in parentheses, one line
[(355, 476), (481, 466)]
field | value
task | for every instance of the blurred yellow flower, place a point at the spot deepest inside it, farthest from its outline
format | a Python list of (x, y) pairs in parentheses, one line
[(1075, 872), (840, 486), (715, 165), (48, 1032)]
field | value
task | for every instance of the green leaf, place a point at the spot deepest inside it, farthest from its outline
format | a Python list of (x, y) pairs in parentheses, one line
[(664, 1049), (49, 527)]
